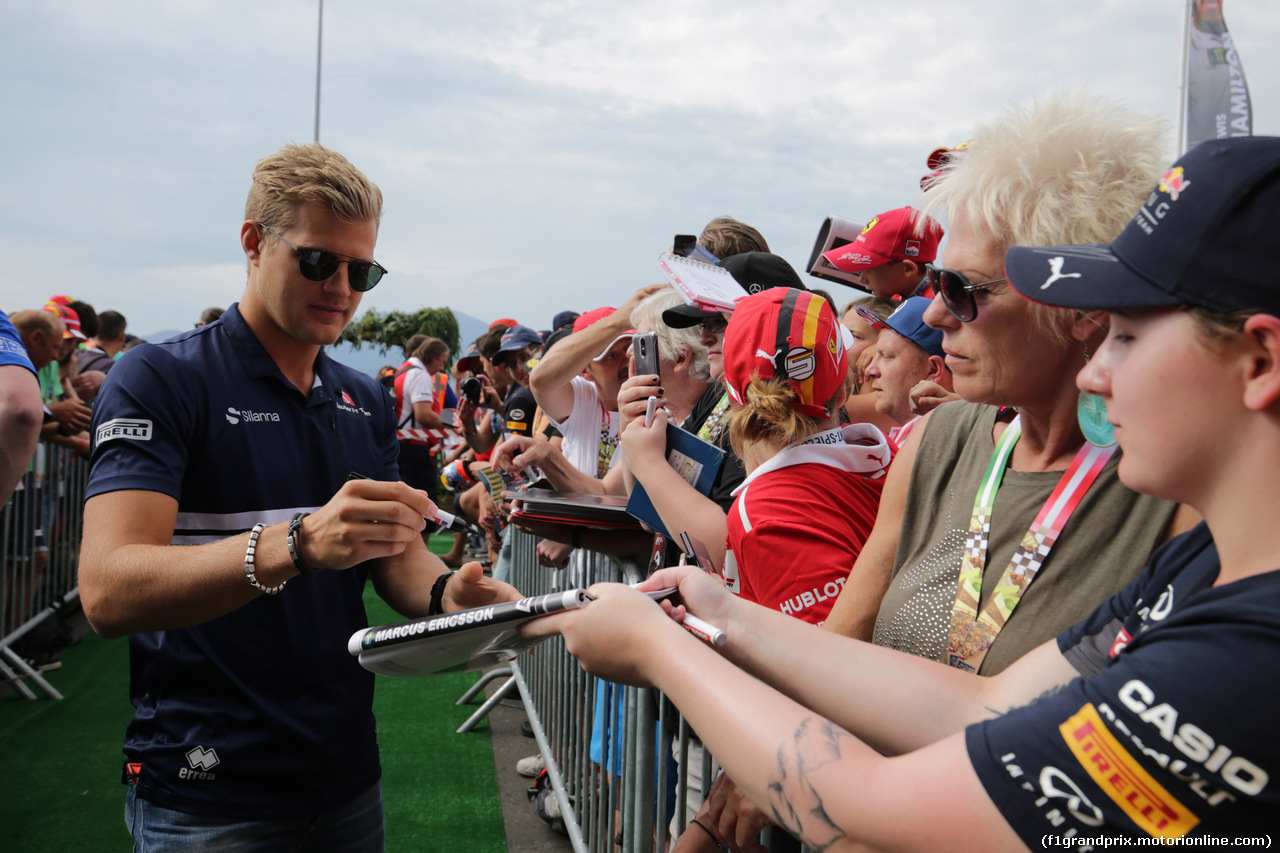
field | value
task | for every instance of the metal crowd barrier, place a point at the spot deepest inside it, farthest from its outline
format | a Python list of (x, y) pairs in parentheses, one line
[(40, 533), (628, 809)]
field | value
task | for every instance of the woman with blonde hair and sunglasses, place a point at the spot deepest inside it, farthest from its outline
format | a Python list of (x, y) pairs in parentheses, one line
[(1003, 518)]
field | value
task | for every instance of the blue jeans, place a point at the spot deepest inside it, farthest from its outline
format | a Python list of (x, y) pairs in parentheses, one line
[(502, 568), (355, 827)]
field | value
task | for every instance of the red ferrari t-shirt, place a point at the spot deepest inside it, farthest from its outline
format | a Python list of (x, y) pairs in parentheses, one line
[(799, 520)]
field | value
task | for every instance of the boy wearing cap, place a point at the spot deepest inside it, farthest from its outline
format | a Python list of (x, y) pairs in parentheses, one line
[(577, 384), (518, 346), (891, 252), (910, 353)]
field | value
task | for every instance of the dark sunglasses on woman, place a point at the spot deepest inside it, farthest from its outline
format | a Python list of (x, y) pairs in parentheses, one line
[(957, 291)]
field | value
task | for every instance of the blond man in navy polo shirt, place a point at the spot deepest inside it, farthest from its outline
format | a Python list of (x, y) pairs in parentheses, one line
[(222, 471)]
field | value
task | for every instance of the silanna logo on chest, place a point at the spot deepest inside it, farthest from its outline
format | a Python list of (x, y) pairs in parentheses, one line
[(248, 416)]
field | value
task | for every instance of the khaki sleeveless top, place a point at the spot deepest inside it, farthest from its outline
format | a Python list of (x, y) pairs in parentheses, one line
[(1104, 545)]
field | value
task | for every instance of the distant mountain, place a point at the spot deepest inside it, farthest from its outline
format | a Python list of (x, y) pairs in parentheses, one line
[(368, 358), (469, 328)]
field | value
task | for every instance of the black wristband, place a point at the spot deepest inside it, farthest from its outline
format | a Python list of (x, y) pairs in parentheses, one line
[(436, 607), (294, 541), (714, 837)]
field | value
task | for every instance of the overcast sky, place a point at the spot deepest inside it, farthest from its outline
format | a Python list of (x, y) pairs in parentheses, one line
[(535, 156)]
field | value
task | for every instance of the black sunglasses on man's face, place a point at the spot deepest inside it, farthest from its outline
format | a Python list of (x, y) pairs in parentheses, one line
[(321, 264)]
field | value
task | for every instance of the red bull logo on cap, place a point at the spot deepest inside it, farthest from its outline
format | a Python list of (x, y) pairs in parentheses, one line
[(1173, 182)]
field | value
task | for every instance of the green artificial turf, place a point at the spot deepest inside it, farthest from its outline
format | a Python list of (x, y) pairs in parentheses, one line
[(440, 789), (60, 771), (60, 760)]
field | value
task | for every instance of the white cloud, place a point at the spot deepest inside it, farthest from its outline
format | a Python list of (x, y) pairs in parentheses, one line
[(534, 156)]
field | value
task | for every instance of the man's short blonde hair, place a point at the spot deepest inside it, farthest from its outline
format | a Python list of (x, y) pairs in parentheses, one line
[(310, 174)]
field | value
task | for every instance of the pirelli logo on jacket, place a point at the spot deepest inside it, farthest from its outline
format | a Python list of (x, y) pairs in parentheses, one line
[(1122, 778), (134, 429)]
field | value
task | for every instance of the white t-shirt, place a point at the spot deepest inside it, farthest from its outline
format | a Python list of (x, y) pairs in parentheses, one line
[(584, 428), (419, 387)]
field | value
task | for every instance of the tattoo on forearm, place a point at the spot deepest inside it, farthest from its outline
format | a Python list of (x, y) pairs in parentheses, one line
[(795, 803)]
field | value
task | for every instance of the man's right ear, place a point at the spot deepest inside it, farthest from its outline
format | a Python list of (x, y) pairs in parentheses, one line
[(1262, 374), (251, 240), (938, 369)]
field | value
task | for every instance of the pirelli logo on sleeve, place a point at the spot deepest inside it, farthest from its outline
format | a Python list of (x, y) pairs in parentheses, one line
[(133, 429), (1122, 778)]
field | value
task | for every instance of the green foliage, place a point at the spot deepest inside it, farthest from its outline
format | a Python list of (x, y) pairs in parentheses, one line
[(389, 331)]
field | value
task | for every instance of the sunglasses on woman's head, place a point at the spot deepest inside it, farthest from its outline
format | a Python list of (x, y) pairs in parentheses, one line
[(321, 264), (957, 291)]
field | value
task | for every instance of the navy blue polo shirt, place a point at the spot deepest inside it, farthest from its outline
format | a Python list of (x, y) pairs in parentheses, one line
[(261, 713)]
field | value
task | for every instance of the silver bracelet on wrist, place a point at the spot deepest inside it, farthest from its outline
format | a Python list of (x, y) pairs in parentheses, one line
[(248, 562)]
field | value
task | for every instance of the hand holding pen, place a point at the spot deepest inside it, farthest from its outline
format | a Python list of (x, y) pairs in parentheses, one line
[(440, 517), (700, 628)]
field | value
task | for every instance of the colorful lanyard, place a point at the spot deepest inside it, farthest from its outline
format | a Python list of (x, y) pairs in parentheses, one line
[(972, 632), (608, 444), (712, 427)]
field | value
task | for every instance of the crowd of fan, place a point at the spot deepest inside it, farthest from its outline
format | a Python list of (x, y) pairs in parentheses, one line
[(70, 347), (826, 456), (853, 443)]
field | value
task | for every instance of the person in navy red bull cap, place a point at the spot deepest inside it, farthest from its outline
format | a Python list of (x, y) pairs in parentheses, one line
[(1195, 241)]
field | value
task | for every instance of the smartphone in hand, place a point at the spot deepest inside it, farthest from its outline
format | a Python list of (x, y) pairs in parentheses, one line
[(645, 348)]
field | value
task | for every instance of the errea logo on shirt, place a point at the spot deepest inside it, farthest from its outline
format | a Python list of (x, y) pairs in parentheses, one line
[(133, 429), (201, 761), (235, 416)]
